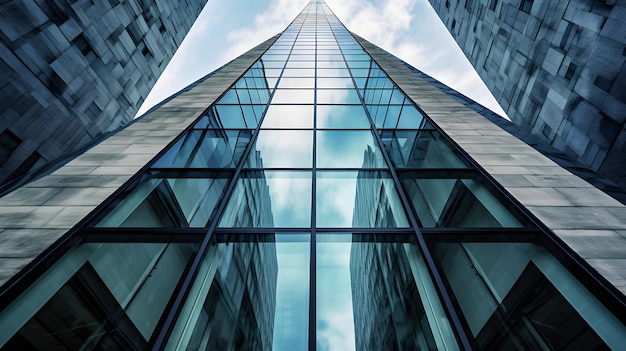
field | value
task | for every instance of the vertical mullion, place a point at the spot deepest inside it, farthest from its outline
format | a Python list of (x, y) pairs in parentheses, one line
[(313, 239), (160, 340), (462, 337)]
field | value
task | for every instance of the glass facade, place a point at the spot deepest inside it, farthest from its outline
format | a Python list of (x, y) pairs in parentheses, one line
[(313, 206)]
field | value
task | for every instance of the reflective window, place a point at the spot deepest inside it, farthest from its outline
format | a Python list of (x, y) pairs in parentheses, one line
[(232, 117), (270, 199), (299, 83), (288, 116), (293, 96), (269, 149), (338, 96), (360, 199), (97, 297), (167, 202), (518, 296), (333, 72), (323, 83), (342, 116), (347, 148), (251, 293), (420, 149), (207, 149), (450, 202), (368, 297)]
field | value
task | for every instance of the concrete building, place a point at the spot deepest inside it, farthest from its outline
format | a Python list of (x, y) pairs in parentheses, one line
[(316, 192), (73, 70), (556, 67)]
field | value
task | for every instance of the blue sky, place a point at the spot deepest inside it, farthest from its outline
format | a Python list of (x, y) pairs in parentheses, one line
[(409, 29)]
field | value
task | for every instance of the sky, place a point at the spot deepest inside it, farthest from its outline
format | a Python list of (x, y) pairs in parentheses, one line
[(409, 29)]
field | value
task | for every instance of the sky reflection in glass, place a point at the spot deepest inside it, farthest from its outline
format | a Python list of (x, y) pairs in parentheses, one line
[(270, 199), (288, 116), (345, 116), (271, 145), (292, 292), (347, 149), (335, 323)]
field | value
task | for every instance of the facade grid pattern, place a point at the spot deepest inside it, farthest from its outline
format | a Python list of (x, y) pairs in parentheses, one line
[(312, 206)]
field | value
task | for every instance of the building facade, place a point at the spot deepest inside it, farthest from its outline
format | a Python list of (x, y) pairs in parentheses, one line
[(314, 193), (73, 70), (556, 67)]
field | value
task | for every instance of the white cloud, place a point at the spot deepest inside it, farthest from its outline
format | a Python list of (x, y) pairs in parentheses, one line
[(409, 29), (266, 24)]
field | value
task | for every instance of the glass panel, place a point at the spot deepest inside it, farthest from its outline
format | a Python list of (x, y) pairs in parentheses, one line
[(455, 202), (299, 72), (410, 118), (282, 149), (270, 199), (232, 117), (367, 297), (334, 83), (360, 72), (288, 116), (296, 83), (271, 65), (252, 294), (518, 296), (338, 96), (331, 64), (393, 114), (167, 202), (359, 199), (348, 149), (207, 149), (420, 149), (97, 297), (293, 96), (333, 72), (301, 64), (346, 116)]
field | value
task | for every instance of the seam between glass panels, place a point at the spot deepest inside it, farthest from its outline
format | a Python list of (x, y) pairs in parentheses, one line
[(160, 341), (456, 324)]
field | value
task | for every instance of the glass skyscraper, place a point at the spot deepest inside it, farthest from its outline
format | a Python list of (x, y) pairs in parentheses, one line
[(313, 203)]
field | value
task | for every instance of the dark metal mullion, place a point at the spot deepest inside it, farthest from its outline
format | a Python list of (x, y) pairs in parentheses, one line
[(312, 332), (172, 315), (455, 319)]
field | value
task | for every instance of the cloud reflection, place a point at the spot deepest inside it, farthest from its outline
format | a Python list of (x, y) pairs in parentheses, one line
[(335, 324)]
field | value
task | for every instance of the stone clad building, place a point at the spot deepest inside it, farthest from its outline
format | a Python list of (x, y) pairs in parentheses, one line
[(73, 70), (556, 67)]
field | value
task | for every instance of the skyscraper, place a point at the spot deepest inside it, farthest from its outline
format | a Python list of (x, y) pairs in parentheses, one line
[(73, 70), (556, 67), (314, 193)]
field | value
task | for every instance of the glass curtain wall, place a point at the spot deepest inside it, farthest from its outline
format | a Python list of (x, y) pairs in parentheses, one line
[(313, 206)]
